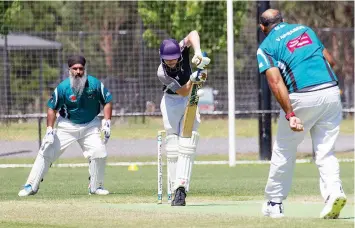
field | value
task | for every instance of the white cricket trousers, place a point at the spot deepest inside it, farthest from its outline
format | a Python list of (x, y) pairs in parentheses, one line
[(321, 114), (87, 135), (173, 109)]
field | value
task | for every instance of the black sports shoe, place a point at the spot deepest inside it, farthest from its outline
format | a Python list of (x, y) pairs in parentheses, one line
[(179, 197)]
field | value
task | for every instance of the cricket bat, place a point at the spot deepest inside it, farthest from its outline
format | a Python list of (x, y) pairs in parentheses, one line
[(191, 107)]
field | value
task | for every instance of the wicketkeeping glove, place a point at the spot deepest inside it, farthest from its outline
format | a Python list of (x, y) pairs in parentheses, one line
[(200, 61), (199, 76), (106, 129), (48, 138)]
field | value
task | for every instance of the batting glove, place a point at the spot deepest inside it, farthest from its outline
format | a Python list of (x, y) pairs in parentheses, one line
[(200, 61), (106, 129), (199, 76)]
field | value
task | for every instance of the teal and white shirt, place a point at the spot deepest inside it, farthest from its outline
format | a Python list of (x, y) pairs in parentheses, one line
[(298, 53), (80, 109)]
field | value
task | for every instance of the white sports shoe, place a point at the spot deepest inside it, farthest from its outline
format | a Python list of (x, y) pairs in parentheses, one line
[(100, 191), (26, 191), (273, 210), (333, 206)]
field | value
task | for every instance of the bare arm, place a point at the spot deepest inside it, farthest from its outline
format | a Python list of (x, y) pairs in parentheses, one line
[(51, 117), (278, 88), (185, 89), (280, 92), (193, 39), (329, 58), (108, 111)]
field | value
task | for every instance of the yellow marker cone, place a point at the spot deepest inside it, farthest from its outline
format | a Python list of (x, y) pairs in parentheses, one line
[(133, 167)]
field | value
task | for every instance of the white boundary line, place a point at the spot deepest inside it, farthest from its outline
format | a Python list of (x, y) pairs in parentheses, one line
[(74, 165)]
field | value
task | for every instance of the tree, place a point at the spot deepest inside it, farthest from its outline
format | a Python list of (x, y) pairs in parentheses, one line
[(9, 9), (338, 18), (36, 16), (108, 28), (176, 19), (92, 28), (29, 17)]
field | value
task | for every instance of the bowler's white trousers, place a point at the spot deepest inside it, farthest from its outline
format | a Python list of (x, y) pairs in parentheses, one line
[(321, 114), (173, 109)]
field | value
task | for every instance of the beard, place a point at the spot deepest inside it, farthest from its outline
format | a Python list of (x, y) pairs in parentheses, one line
[(78, 83)]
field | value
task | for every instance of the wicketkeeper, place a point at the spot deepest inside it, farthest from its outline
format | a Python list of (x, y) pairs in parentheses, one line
[(78, 101), (176, 75)]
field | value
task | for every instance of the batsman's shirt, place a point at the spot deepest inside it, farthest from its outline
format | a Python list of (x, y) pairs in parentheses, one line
[(173, 81), (80, 109), (298, 53)]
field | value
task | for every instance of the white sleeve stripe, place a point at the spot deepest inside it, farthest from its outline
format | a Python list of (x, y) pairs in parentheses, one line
[(102, 91), (260, 52), (56, 97)]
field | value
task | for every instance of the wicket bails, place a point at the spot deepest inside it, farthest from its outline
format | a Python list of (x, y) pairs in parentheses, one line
[(160, 171)]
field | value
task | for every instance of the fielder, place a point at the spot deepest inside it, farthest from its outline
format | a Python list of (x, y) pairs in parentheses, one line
[(77, 99), (176, 75), (299, 72)]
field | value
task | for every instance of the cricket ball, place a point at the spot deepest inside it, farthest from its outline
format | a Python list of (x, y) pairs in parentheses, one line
[(200, 92)]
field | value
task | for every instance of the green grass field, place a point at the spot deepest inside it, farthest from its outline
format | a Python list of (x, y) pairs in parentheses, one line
[(220, 197), (199, 157), (132, 128)]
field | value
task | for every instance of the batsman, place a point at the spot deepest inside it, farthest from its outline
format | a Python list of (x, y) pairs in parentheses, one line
[(178, 79), (77, 100)]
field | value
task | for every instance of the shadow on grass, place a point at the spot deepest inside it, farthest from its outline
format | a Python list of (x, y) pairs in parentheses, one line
[(346, 218), (15, 153)]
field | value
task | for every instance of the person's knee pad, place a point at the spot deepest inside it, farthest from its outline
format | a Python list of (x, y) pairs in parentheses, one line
[(50, 151), (172, 146), (187, 146), (95, 153), (97, 172)]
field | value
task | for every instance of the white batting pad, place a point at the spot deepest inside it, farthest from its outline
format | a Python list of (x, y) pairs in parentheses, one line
[(187, 149), (41, 166), (97, 172), (172, 152)]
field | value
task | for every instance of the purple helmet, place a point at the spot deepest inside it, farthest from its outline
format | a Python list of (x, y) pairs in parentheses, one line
[(169, 50)]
